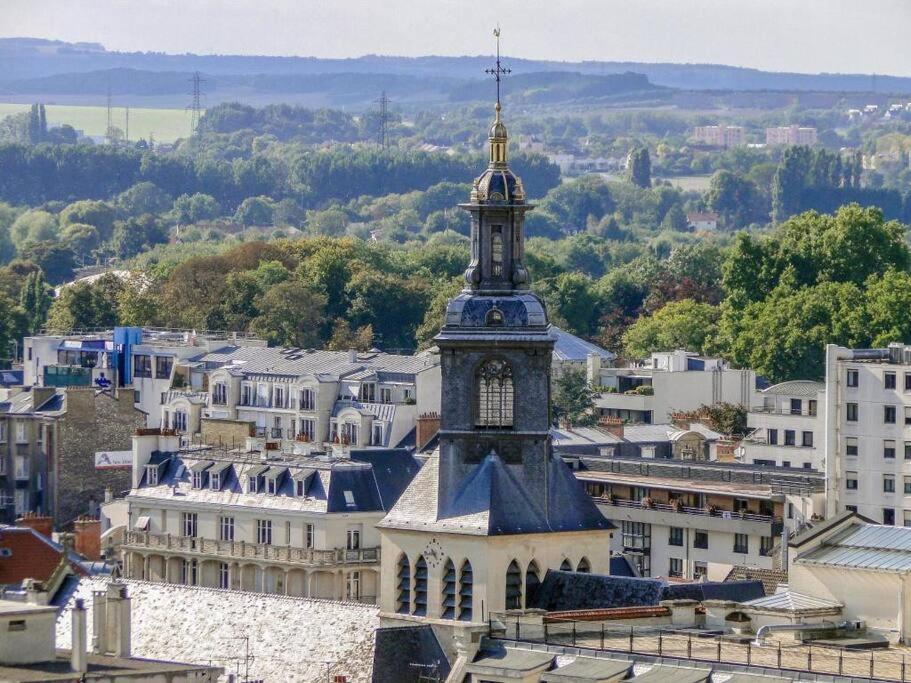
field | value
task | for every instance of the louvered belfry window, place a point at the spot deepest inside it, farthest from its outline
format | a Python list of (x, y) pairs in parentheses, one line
[(495, 394)]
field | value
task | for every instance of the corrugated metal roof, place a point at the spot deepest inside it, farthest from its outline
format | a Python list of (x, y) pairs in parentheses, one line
[(797, 387), (865, 546), (788, 600)]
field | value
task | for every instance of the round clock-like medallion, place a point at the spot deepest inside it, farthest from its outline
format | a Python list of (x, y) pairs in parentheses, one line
[(433, 553)]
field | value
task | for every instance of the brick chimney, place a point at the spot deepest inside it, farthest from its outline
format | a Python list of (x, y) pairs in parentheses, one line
[(428, 424), (43, 525), (88, 537), (612, 425)]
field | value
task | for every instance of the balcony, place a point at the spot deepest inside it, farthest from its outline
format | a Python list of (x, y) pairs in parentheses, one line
[(241, 550), (710, 519)]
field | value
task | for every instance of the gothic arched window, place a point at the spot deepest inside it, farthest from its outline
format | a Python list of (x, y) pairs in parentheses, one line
[(495, 395), (448, 607), (403, 585), (466, 588), (584, 566), (513, 586), (532, 581)]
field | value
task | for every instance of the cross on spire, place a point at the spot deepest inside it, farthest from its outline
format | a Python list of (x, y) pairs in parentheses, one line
[(498, 70)]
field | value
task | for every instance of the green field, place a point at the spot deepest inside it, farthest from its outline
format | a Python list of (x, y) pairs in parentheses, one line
[(166, 124)]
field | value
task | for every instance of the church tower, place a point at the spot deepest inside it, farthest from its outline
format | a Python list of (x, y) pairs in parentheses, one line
[(494, 508)]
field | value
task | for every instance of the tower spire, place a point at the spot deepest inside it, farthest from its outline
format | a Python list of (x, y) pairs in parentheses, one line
[(498, 135)]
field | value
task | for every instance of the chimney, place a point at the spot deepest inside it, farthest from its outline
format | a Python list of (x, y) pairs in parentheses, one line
[(43, 525), (428, 424), (352, 355), (612, 425), (88, 537), (593, 369), (78, 652), (118, 619)]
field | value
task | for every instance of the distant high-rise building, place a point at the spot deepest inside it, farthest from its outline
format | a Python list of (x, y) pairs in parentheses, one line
[(720, 136), (790, 135)]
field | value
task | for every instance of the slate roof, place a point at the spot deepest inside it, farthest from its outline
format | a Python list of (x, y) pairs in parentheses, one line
[(331, 365), (571, 591), (291, 638), (493, 500), (368, 481), (510, 659), (569, 347), (671, 674), (620, 565), (738, 591), (408, 654), (865, 546), (790, 601)]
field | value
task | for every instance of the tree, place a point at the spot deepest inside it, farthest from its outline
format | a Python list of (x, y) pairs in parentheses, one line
[(888, 305), (736, 199), (142, 198), (785, 335), (683, 324), (640, 167), (99, 215), (329, 222), (56, 260), (85, 305), (255, 211), (193, 208), (35, 301), (572, 203), (83, 239), (675, 220), (134, 235), (571, 301), (292, 315), (343, 338), (574, 399), (34, 226), (392, 305)]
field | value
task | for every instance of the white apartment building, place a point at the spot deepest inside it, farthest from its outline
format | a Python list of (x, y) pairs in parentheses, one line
[(790, 135), (668, 383), (694, 520), (786, 426), (142, 358), (720, 136), (265, 522), (868, 432), (304, 395)]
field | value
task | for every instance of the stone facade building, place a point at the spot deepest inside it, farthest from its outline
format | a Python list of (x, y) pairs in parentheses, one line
[(494, 508)]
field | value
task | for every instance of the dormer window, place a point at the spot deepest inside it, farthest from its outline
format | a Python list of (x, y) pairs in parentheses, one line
[(198, 478), (152, 475), (300, 488), (272, 485), (252, 485), (215, 481), (308, 401), (219, 394), (494, 317), (368, 392)]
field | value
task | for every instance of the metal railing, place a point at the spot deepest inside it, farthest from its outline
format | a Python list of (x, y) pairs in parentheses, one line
[(241, 550), (683, 509), (710, 647)]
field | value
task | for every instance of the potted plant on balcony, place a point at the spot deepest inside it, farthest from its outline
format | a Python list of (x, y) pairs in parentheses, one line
[(678, 505), (647, 502)]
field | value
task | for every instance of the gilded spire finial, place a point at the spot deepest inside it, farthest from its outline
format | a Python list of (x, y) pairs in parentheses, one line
[(498, 135)]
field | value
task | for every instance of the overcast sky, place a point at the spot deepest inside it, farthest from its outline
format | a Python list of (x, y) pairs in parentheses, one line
[(848, 36)]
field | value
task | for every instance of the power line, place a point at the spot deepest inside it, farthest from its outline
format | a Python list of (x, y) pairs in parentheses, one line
[(195, 105)]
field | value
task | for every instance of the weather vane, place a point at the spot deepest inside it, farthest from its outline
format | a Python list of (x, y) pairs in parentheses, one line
[(498, 70)]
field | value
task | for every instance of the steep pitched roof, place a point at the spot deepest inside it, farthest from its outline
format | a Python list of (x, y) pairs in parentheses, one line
[(27, 554), (493, 500), (408, 654)]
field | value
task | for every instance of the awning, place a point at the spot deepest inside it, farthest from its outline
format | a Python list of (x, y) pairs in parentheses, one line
[(142, 523)]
